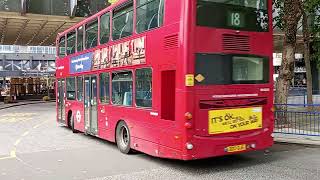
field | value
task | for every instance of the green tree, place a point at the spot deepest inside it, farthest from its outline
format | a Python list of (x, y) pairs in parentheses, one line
[(289, 14), (310, 28)]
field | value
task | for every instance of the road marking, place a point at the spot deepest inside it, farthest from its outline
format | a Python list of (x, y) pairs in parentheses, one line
[(38, 125), (16, 117), (17, 142), (13, 153), (25, 133), (6, 157)]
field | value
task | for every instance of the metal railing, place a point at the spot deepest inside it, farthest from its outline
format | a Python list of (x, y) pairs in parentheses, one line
[(298, 119)]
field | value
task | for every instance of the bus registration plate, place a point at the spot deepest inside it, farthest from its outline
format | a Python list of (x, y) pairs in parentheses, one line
[(234, 120), (236, 148)]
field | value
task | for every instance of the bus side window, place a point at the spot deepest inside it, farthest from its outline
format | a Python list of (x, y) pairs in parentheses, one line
[(144, 87), (62, 47), (91, 34), (104, 28), (122, 22), (80, 39), (122, 88), (71, 42), (79, 88), (71, 88), (104, 88), (149, 14)]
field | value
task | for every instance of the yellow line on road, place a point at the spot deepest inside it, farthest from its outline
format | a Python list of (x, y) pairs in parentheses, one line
[(13, 153), (7, 157), (25, 134), (17, 142), (38, 125)]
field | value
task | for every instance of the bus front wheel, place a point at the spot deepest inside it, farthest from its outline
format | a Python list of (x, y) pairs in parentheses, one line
[(123, 137)]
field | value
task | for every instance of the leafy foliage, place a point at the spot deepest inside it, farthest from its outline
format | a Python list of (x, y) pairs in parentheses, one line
[(277, 12), (312, 9)]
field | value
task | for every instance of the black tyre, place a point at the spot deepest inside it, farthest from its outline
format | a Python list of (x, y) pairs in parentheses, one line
[(70, 118), (72, 125), (123, 137)]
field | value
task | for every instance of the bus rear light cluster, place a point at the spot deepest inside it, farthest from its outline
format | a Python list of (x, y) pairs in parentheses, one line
[(253, 146), (189, 146), (273, 109), (188, 116), (188, 125)]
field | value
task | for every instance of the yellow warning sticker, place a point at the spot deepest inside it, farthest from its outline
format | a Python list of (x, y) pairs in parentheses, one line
[(200, 78), (189, 80)]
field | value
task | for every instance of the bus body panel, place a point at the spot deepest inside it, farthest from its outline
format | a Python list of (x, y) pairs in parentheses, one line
[(173, 47)]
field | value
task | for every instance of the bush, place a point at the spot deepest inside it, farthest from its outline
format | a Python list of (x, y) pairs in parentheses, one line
[(46, 98)]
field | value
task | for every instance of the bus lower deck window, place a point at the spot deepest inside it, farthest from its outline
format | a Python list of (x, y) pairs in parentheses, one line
[(122, 88), (144, 87)]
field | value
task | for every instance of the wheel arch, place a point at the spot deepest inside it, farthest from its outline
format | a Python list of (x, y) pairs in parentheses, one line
[(69, 115)]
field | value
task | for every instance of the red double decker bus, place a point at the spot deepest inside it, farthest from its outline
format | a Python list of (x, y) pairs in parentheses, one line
[(181, 79)]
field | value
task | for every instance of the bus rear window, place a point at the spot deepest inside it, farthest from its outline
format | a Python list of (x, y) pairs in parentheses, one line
[(251, 15), (231, 69)]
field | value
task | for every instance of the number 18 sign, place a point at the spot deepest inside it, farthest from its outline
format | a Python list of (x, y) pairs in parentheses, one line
[(235, 19)]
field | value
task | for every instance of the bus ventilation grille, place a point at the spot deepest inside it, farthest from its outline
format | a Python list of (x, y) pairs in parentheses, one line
[(171, 42), (236, 42)]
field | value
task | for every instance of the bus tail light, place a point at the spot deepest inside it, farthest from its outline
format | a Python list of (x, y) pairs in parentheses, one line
[(189, 146), (273, 109), (188, 125), (188, 116)]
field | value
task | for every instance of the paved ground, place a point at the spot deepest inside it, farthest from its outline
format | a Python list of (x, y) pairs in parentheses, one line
[(20, 103), (34, 147)]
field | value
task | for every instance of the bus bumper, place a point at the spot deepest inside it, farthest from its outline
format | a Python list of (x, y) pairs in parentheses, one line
[(206, 147)]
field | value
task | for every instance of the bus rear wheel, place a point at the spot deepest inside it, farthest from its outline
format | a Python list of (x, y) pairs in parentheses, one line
[(123, 137), (72, 125)]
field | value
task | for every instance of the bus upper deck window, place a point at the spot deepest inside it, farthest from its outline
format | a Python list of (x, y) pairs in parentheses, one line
[(71, 42), (122, 22), (104, 28), (149, 14), (62, 47), (80, 39), (239, 15), (91, 34)]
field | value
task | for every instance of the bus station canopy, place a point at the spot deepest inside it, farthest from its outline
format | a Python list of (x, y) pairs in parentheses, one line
[(32, 29)]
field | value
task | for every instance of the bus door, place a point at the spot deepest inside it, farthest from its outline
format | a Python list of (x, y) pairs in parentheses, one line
[(90, 105), (61, 101)]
